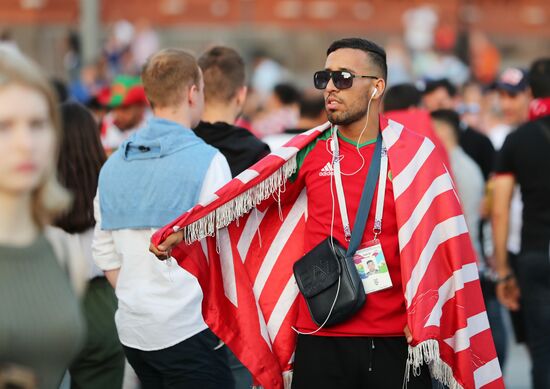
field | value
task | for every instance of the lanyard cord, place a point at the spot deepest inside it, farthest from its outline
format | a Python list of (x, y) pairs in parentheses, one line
[(340, 189)]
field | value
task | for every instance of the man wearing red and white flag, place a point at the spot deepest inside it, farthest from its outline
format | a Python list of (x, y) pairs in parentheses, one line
[(427, 321)]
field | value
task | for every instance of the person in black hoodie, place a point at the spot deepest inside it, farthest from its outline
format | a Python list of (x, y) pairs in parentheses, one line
[(224, 97), (225, 94)]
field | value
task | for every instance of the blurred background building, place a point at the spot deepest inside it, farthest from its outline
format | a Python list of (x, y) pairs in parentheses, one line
[(294, 32)]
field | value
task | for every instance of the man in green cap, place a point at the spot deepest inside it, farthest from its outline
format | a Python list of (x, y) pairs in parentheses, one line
[(129, 110)]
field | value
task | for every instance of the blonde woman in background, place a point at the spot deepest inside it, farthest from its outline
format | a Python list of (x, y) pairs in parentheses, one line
[(41, 328)]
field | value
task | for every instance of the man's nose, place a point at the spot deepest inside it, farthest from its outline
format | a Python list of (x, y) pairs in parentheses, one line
[(330, 86)]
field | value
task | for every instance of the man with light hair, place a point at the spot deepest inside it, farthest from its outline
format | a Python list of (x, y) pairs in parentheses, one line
[(158, 173)]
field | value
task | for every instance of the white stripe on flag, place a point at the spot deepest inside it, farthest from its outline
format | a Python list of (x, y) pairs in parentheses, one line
[(285, 301), (440, 185), (392, 133), (204, 247), (248, 175), (447, 291), (228, 267), (209, 199), (285, 152), (253, 221), (442, 232), (476, 324), (487, 373), (402, 181), (263, 327), (286, 229)]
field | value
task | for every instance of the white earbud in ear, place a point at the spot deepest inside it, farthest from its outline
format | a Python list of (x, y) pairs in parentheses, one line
[(374, 93)]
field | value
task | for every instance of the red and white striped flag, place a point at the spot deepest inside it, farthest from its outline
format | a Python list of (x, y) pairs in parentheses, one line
[(242, 243)]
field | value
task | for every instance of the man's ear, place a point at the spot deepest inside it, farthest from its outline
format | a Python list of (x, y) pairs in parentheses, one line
[(240, 97), (192, 95), (380, 89)]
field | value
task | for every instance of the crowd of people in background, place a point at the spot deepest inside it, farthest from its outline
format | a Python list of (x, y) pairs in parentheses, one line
[(490, 125)]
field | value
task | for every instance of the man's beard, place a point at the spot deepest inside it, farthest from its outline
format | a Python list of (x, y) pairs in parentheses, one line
[(128, 125), (353, 114)]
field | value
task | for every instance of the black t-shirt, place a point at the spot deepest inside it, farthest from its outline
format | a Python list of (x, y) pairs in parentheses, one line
[(479, 148), (526, 154), (238, 145)]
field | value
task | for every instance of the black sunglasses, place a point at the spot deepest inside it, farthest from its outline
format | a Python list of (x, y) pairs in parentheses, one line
[(342, 79)]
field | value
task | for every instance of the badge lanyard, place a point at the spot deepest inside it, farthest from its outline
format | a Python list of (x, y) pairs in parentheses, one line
[(340, 189)]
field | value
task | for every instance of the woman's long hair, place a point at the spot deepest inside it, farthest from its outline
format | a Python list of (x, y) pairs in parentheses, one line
[(81, 158)]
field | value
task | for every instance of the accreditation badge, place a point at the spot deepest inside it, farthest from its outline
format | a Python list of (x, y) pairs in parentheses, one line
[(372, 268)]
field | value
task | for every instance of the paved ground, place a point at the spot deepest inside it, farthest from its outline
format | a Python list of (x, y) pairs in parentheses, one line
[(516, 371)]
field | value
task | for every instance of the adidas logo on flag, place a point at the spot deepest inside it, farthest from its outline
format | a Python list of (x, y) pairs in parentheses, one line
[(327, 170)]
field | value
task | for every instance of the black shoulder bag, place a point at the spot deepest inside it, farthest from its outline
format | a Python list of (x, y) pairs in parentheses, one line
[(326, 276)]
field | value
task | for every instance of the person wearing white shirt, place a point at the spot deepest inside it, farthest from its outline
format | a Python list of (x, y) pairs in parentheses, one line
[(156, 175)]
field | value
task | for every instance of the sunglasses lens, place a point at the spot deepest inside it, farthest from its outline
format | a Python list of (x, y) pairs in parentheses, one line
[(320, 79), (342, 80)]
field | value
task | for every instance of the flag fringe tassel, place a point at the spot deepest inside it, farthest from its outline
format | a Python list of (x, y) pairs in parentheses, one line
[(240, 205), (427, 352), (287, 379)]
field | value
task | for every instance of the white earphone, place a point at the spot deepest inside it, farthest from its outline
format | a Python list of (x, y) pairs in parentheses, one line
[(374, 92)]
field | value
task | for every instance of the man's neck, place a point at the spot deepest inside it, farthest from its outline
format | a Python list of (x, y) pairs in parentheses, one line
[(219, 113), (175, 115), (17, 227), (353, 131)]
